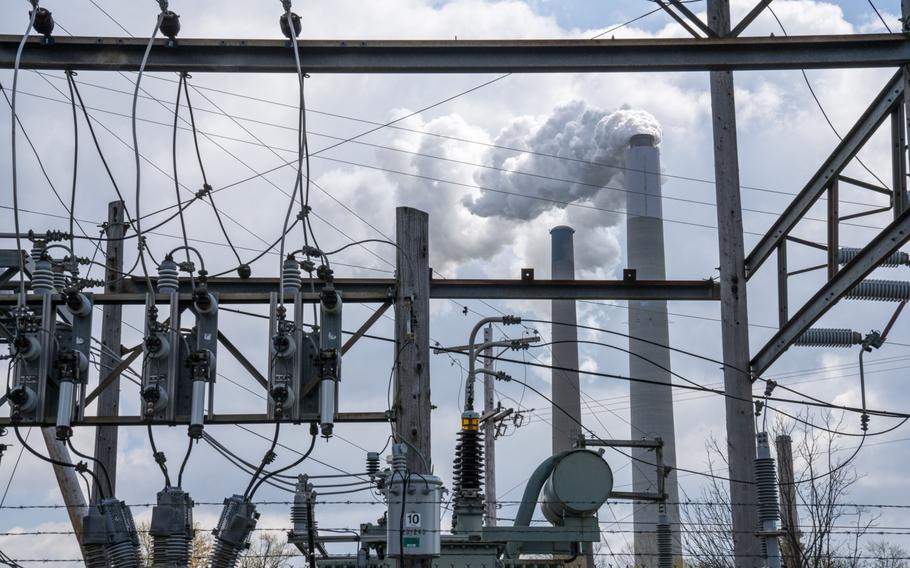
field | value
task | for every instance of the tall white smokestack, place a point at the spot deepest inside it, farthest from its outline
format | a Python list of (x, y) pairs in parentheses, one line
[(651, 404), (565, 394)]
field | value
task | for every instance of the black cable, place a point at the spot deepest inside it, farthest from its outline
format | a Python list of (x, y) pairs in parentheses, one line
[(12, 474), (404, 495), (746, 373), (205, 182), (138, 164), (879, 14), (186, 458), (97, 144), (264, 252), (450, 160), (726, 395), (186, 243), (72, 212), (159, 457), (101, 466), (13, 121), (313, 433), (31, 450), (819, 104), (274, 483), (267, 458)]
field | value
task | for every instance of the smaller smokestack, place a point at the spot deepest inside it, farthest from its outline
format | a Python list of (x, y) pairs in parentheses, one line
[(564, 384), (563, 253)]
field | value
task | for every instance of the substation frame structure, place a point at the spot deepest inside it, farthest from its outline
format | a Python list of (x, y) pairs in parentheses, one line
[(717, 47)]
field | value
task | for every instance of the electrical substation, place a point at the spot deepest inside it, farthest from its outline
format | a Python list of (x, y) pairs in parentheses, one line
[(63, 379)]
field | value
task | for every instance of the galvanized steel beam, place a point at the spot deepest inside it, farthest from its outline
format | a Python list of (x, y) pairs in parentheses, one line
[(381, 290), (883, 105), (884, 244), (459, 56)]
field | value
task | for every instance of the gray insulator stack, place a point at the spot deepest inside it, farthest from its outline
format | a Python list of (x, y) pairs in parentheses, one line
[(664, 542), (768, 507), (43, 277), (897, 258), (829, 337), (290, 270), (110, 531), (94, 539), (238, 519), (880, 290), (59, 277), (171, 528), (372, 463), (168, 277), (37, 251), (766, 483), (300, 510), (400, 459), (95, 556)]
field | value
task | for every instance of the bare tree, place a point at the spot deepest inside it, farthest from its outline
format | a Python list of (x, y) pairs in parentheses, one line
[(824, 474), (886, 555), (270, 550)]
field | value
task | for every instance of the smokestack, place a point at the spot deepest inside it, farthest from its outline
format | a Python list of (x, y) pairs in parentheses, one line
[(651, 404), (565, 394)]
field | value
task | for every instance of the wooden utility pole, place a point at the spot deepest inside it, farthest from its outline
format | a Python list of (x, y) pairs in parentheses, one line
[(792, 549), (67, 480), (489, 431), (412, 336), (734, 308), (412, 342), (109, 400)]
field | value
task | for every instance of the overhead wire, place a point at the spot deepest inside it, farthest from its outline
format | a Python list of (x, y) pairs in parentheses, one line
[(13, 121), (205, 182), (34, 452), (295, 463), (101, 467), (879, 14), (221, 112), (138, 164), (186, 243), (267, 458), (72, 208), (818, 103)]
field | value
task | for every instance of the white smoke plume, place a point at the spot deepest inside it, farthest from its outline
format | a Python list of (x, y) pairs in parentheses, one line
[(468, 229), (591, 141)]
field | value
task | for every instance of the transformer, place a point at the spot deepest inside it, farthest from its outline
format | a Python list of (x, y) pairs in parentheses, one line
[(415, 502)]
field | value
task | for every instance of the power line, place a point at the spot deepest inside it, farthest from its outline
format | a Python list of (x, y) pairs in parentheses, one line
[(600, 187)]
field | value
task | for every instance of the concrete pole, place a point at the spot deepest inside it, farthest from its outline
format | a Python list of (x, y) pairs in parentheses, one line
[(489, 429), (412, 336), (112, 317), (734, 311), (565, 390), (651, 404), (789, 517)]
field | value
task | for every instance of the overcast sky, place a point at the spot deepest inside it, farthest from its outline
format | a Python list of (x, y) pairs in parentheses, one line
[(783, 137)]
